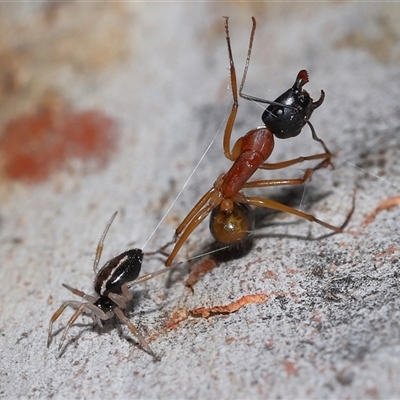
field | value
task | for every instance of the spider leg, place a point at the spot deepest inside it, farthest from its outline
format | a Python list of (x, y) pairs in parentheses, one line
[(99, 248), (77, 313), (150, 276), (121, 300), (83, 307), (57, 314), (79, 293), (123, 318)]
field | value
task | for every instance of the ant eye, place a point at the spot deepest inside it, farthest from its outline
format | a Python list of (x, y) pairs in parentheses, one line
[(279, 112)]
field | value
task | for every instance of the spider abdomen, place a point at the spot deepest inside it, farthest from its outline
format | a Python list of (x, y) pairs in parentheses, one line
[(117, 271)]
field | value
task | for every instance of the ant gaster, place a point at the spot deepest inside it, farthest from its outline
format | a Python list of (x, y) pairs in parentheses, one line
[(111, 283), (231, 218)]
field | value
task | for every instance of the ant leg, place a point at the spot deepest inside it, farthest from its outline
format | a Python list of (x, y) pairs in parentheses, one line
[(327, 162), (56, 316), (266, 203), (326, 157), (79, 293), (99, 248), (191, 221), (281, 182), (188, 229), (123, 318), (298, 160), (317, 139), (195, 210)]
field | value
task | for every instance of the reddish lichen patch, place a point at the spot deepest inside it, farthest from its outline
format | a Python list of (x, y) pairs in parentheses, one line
[(177, 317), (174, 320), (392, 249), (231, 307), (35, 145), (201, 269), (270, 274), (182, 314), (290, 367), (292, 271)]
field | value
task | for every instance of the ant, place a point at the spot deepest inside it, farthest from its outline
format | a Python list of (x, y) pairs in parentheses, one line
[(111, 283), (231, 217)]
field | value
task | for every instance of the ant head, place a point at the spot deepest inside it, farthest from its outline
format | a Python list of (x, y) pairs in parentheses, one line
[(295, 107), (118, 271)]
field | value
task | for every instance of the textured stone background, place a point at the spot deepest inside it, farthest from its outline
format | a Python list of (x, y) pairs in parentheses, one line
[(316, 318)]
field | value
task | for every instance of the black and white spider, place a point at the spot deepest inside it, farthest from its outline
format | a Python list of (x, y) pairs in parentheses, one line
[(111, 283)]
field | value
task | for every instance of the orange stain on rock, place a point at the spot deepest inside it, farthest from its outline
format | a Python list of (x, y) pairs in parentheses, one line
[(206, 312), (386, 204), (174, 320), (35, 145)]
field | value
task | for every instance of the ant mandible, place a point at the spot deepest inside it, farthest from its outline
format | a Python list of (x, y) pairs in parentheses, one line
[(231, 217), (111, 283)]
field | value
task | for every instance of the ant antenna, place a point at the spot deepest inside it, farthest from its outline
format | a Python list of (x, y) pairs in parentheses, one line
[(246, 67), (298, 82)]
